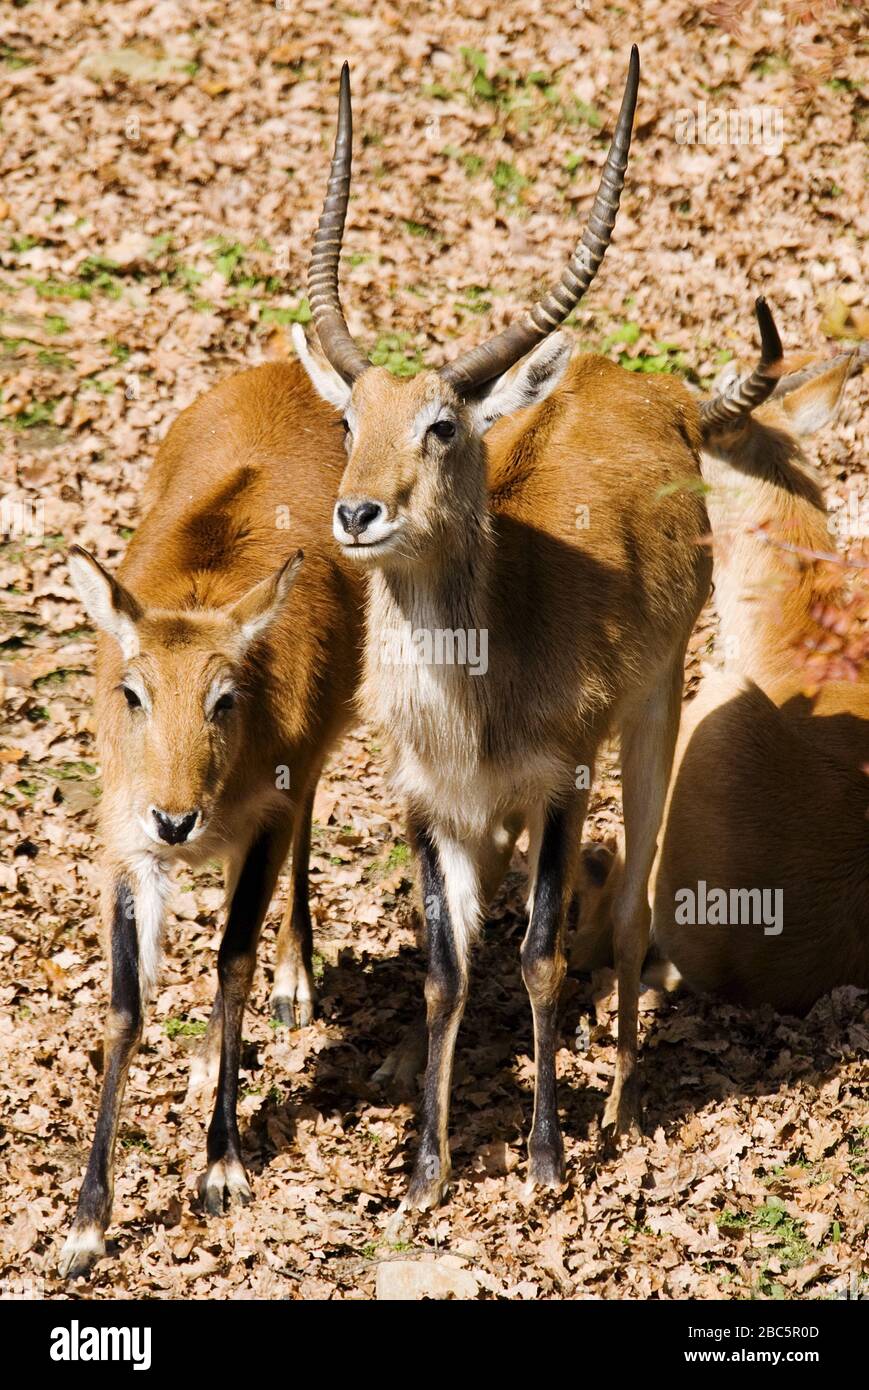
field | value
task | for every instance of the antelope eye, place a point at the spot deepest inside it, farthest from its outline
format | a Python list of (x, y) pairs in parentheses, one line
[(226, 701), (345, 426), (443, 429), (131, 697)]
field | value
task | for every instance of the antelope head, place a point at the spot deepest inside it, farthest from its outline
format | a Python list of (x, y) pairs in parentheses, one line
[(799, 395), (176, 721), (410, 480)]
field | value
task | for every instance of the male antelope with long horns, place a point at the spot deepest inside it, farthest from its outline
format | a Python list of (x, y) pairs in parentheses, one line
[(768, 804), (586, 627)]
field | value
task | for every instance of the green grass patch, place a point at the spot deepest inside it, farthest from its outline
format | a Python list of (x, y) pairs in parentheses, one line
[(184, 1028), (24, 243), (399, 856), (135, 1139), (12, 58), (508, 181), (296, 313), (421, 229), (473, 300), (32, 416), (472, 164), (789, 1245), (627, 333), (57, 361), (72, 772), (393, 352), (576, 112), (663, 357), (56, 680), (520, 97), (56, 289)]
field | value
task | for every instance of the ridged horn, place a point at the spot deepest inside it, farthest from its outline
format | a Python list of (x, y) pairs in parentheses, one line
[(481, 364), (335, 337), (747, 393)]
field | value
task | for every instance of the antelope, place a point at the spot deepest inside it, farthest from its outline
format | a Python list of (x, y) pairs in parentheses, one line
[(769, 792), (225, 673), (586, 629)]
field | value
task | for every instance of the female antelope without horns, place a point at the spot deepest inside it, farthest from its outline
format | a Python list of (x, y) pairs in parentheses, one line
[(586, 628), (225, 672)]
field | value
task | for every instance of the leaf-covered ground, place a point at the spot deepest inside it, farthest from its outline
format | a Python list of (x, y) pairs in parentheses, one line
[(161, 170)]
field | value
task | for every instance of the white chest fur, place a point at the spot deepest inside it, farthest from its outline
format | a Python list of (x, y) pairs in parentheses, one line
[(452, 756)]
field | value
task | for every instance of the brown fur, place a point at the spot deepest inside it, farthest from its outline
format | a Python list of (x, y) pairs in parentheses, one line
[(258, 442), (205, 604), (769, 786), (587, 628)]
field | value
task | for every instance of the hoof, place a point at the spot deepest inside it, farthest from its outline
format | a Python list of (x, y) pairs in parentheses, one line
[(545, 1168), (426, 1193), (225, 1183), (293, 994), (622, 1113), (292, 1013), (398, 1074), (401, 1066), (84, 1246)]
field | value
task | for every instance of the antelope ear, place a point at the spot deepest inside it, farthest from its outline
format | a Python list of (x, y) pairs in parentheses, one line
[(110, 606), (816, 402), (531, 380), (256, 610), (725, 378), (325, 380)]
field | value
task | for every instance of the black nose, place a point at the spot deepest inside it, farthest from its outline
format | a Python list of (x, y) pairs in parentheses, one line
[(355, 516), (174, 829)]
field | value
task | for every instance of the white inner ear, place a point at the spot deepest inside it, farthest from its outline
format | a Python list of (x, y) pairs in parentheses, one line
[(325, 380), (812, 406), (530, 381), (96, 597), (725, 379), (256, 624)]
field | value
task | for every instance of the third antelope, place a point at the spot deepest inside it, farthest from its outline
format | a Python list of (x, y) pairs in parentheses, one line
[(769, 791), (586, 629)]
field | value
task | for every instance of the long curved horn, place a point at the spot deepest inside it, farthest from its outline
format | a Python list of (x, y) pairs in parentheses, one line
[(335, 338), (750, 391), (479, 365)]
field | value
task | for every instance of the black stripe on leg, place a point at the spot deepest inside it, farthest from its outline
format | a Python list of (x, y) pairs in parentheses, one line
[(444, 991), (235, 961), (443, 963), (126, 996), (546, 915), (249, 904), (542, 972), (125, 1021)]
